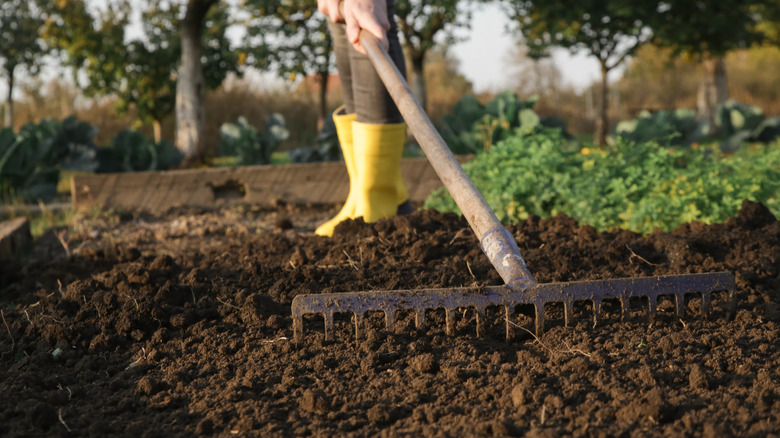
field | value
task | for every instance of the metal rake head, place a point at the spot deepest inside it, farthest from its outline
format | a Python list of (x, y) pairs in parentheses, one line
[(596, 291), (497, 243)]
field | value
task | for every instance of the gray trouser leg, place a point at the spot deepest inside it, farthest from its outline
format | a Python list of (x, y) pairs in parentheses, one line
[(363, 90)]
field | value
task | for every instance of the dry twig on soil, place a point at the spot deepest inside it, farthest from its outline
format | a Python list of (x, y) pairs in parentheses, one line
[(546, 347), (13, 341), (635, 255), (227, 304), (64, 242), (59, 415), (351, 262)]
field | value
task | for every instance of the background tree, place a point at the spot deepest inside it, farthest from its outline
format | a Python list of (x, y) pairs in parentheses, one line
[(609, 30), (533, 76), (190, 83), (446, 84), (20, 45), (291, 38), (419, 22), (769, 24), (149, 82), (655, 79), (153, 60), (91, 41), (707, 30), (140, 72)]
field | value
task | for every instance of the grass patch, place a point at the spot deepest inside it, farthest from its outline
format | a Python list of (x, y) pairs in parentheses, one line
[(42, 217)]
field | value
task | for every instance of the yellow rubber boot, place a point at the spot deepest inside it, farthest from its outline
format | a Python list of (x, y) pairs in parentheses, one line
[(378, 151), (344, 131)]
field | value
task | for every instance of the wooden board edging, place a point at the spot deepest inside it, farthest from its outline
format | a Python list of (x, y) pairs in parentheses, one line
[(216, 187), (14, 236)]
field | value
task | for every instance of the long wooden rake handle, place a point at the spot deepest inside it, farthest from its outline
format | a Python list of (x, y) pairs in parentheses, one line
[(501, 249), (497, 242)]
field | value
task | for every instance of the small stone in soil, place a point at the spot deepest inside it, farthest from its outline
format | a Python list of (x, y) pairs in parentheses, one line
[(315, 401), (698, 378), (282, 224)]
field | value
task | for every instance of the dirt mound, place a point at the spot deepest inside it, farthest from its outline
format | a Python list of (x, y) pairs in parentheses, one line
[(180, 325)]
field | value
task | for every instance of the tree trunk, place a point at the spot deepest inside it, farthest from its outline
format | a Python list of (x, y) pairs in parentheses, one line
[(190, 85), (157, 127), (323, 103), (9, 101), (602, 121), (418, 81), (713, 90)]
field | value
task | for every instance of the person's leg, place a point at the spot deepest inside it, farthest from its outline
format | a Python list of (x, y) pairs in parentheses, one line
[(343, 121), (341, 48), (343, 118), (373, 103), (379, 134)]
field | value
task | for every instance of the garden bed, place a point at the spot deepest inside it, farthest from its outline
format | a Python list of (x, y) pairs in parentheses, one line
[(179, 324)]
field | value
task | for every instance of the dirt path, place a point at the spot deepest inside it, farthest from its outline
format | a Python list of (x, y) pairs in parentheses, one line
[(179, 325)]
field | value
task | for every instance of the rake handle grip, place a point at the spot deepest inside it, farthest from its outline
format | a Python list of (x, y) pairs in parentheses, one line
[(497, 242)]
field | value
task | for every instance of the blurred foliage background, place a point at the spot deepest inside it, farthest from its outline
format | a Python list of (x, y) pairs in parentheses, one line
[(652, 81)]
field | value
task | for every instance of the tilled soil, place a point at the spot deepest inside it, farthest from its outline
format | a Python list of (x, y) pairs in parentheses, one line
[(179, 325)]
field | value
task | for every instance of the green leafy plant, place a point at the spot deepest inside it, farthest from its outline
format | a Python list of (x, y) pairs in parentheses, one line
[(733, 117), (132, 151), (30, 161), (73, 146), (737, 122), (735, 125), (249, 146), (767, 130), (21, 173), (635, 186), (472, 127), (677, 127)]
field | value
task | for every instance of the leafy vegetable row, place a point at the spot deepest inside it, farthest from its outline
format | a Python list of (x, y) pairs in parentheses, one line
[(635, 186)]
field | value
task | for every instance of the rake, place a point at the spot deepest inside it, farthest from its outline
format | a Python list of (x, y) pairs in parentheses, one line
[(501, 249)]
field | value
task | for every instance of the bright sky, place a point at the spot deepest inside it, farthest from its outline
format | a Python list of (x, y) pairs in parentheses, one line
[(483, 58)]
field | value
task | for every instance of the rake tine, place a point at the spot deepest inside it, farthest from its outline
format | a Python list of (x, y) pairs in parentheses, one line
[(596, 311), (358, 323), (328, 325), (450, 321), (509, 313), (539, 316), (732, 297), (705, 304), (298, 327), (679, 304), (652, 307), (625, 305), (568, 311), (481, 319), (419, 319), (390, 320)]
